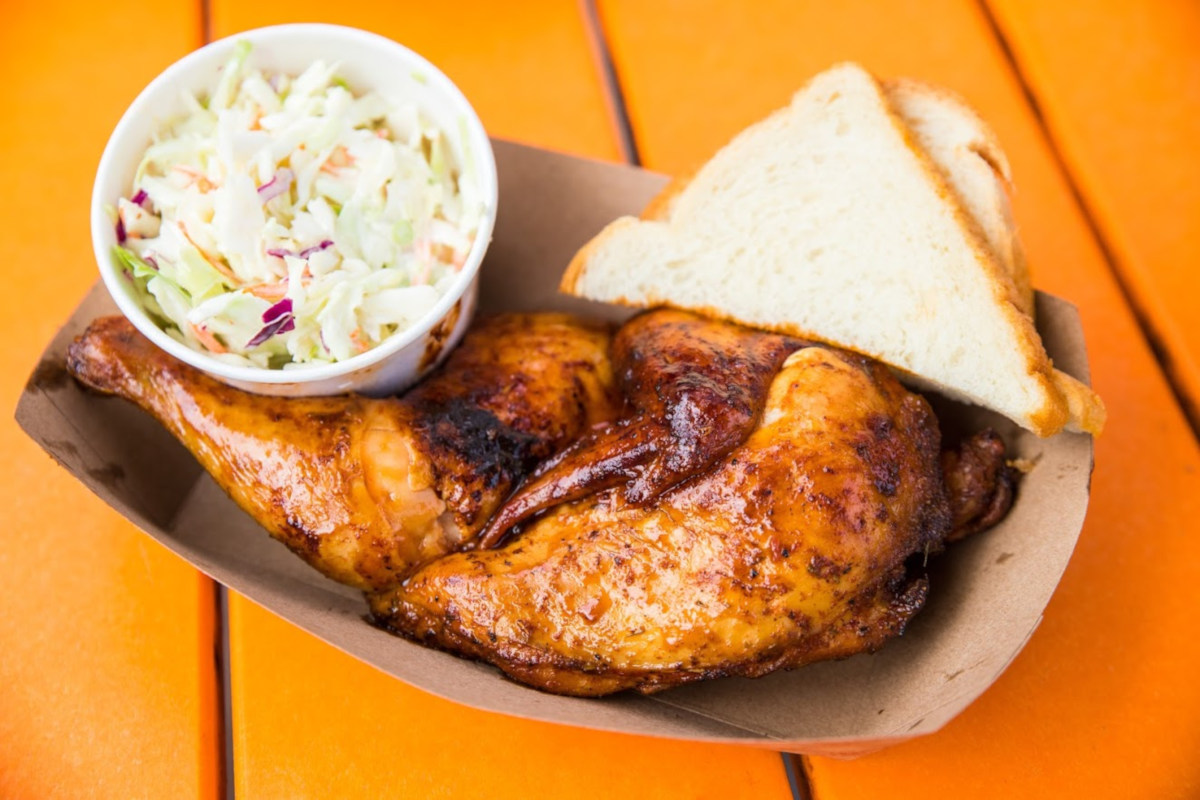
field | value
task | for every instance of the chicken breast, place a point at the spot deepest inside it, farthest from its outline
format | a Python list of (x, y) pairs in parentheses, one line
[(790, 549)]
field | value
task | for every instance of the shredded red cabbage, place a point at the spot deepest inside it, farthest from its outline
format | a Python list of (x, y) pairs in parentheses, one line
[(316, 248), (278, 184), (140, 198), (280, 252), (121, 237), (281, 325), (276, 311), (279, 319)]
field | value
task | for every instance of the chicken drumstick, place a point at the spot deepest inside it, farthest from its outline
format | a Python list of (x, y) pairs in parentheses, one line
[(364, 489)]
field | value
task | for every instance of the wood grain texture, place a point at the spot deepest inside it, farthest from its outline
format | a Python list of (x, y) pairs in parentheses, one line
[(107, 680), (525, 67), (310, 721), (1102, 701), (1118, 85)]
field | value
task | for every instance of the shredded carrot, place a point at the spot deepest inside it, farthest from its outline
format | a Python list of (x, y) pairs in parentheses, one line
[(268, 291), (206, 338), (217, 265), (359, 340), (448, 254), (423, 249), (202, 182), (340, 157)]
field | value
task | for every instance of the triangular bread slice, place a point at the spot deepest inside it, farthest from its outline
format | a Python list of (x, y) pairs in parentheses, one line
[(968, 156), (829, 220)]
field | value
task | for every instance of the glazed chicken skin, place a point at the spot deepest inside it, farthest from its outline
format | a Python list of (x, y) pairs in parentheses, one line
[(790, 549), (694, 389), (364, 489)]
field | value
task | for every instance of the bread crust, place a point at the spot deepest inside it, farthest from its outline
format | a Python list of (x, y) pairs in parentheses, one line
[(569, 283), (990, 152), (1086, 411)]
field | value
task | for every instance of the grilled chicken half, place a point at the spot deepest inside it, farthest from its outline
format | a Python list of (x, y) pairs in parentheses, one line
[(747, 505), (364, 489), (788, 548)]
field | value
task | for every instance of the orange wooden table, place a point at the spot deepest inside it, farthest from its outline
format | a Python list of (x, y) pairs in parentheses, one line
[(109, 685)]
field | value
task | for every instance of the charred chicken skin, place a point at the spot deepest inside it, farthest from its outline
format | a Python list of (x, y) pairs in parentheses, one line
[(790, 548), (364, 489)]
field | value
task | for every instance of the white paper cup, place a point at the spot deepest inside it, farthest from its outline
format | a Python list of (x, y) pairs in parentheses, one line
[(366, 61)]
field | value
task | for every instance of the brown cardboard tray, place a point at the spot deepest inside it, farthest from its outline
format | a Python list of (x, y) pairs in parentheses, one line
[(987, 594)]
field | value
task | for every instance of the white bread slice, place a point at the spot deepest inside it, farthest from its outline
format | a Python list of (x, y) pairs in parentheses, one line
[(969, 157), (828, 220)]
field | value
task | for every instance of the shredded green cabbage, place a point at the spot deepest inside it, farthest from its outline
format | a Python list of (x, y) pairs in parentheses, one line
[(278, 187)]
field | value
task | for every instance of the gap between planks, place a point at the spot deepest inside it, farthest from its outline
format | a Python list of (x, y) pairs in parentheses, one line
[(610, 81), (225, 775)]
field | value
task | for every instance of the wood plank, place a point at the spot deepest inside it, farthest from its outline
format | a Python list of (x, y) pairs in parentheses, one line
[(107, 681), (1103, 700), (527, 70), (1118, 85), (311, 721)]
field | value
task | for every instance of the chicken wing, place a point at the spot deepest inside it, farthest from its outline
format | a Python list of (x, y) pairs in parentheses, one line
[(980, 484), (695, 388), (790, 549), (364, 489)]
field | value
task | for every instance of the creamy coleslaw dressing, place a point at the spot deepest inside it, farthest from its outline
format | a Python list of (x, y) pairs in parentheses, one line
[(289, 221)]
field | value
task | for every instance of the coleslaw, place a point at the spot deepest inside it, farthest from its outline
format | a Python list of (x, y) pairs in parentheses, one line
[(289, 221)]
